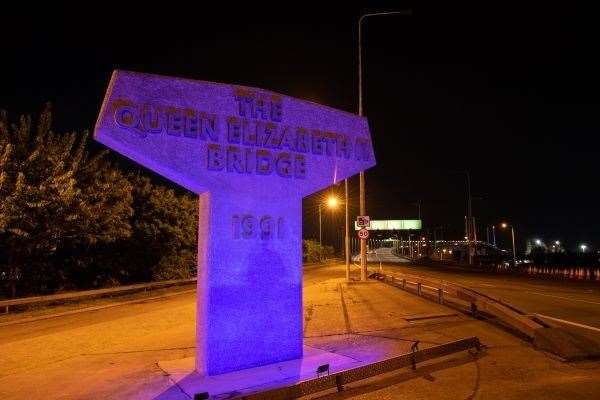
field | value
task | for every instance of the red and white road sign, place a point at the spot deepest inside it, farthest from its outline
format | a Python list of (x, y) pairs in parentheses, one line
[(363, 221), (363, 234)]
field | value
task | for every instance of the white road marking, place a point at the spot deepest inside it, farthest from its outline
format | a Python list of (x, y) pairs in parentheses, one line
[(569, 322), (566, 298)]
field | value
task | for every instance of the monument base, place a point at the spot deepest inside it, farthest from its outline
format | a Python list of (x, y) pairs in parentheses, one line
[(254, 379)]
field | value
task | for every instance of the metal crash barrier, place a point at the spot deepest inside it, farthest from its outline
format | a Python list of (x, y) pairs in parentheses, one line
[(476, 302), (339, 379), (90, 294)]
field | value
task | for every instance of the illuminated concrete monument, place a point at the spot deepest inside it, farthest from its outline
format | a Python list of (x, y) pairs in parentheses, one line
[(251, 156)]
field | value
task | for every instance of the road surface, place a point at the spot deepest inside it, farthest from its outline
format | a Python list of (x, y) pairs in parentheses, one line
[(382, 254)]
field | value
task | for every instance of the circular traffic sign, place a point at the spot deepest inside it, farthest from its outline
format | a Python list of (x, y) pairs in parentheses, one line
[(363, 234)]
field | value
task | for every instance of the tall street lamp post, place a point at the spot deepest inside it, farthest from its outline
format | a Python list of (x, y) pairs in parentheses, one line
[(469, 226), (347, 231), (363, 243), (512, 231), (470, 218), (418, 204)]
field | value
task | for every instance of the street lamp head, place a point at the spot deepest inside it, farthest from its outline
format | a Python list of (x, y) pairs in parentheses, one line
[(583, 247), (538, 242), (332, 202), (504, 225)]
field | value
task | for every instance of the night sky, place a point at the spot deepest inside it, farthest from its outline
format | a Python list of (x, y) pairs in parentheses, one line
[(509, 94)]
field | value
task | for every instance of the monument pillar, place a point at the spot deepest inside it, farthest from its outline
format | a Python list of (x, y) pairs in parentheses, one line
[(251, 155), (249, 280)]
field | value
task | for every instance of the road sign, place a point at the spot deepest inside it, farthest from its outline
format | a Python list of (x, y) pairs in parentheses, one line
[(391, 225), (363, 234), (363, 221)]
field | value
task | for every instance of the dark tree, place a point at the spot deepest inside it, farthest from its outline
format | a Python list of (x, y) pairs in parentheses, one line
[(54, 197)]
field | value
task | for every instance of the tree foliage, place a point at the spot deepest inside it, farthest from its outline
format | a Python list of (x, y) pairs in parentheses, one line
[(164, 231), (69, 218), (312, 251)]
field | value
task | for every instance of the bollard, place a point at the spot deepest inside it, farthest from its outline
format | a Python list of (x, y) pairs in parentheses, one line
[(474, 312), (338, 383), (440, 296), (419, 289), (414, 348), (403, 283)]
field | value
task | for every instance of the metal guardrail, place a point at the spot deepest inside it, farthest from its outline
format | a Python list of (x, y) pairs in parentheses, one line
[(339, 379), (88, 294), (508, 314)]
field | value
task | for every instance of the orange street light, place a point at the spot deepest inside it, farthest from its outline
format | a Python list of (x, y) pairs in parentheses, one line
[(332, 202)]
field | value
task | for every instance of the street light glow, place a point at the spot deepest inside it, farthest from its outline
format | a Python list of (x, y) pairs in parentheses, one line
[(583, 247), (538, 242), (504, 225), (557, 243), (332, 202)]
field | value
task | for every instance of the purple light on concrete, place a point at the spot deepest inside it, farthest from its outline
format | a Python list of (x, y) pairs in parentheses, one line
[(251, 155)]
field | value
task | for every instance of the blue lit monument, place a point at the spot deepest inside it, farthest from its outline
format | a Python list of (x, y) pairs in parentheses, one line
[(251, 155)]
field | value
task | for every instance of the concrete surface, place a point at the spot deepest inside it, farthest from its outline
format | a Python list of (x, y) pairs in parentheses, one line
[(114, 353), (254, 379)]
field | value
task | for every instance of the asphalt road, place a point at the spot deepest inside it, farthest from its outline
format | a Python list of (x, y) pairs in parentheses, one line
[(577, 301)]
